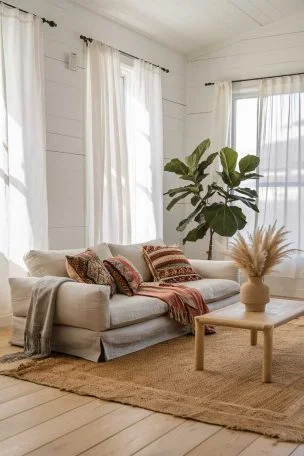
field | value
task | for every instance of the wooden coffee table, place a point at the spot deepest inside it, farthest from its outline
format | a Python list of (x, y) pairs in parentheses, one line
[(278, 312)]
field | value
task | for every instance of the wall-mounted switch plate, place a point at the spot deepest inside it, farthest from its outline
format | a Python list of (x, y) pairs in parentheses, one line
[(73, 61)]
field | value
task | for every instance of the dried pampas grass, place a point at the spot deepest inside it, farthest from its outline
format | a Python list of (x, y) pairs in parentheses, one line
[(265, 249)]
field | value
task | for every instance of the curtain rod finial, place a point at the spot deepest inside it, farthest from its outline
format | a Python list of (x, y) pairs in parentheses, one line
[(51, 23), (86, 39)]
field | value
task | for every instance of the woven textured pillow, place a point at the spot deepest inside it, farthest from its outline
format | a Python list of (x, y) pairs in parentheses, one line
[(126, 276), (86, 267), (168, 264)]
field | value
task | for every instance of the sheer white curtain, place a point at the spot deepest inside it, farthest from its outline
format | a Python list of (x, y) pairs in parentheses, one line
[(221, 121), (220, 137), (124, 177), (23, 197), (107, 177), (280, 146), (146, 152)]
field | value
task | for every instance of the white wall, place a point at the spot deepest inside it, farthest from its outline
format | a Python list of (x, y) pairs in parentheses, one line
[(273, 50), (64, 110)]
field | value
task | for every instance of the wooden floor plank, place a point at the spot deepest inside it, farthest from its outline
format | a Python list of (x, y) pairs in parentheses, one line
[(80, 440), (18, 390), (7, 381), (37, 415), (224, 443), (180, 440), (135, 437), (299, 451), (20, 404), (269, 447), (57, 427)]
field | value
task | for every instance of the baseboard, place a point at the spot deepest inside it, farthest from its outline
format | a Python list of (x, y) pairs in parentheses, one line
[(5, 320)]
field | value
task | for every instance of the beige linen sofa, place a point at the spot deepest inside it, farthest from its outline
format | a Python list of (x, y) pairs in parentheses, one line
[(90, 325)]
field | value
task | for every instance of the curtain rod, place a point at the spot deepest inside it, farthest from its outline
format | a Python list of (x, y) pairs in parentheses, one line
[(89, 40), (258, 79), (51, 23)]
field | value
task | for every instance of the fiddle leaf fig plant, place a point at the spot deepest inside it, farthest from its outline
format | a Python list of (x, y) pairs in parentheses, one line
[(217, 204)]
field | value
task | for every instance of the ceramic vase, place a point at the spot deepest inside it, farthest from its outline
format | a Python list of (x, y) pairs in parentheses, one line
[(255, 294)]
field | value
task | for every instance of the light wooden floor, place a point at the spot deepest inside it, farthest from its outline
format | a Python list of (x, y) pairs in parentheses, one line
[(37, 420)]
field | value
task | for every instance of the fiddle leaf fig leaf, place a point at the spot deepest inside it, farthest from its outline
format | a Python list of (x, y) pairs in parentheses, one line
[(227, 220), (197, 233), (251, 176), (251, 192), (235, 178), (175, 191), (204, 165), (189, 177), (182, 225), (248, 203), (176, 200), (248, 163), (193, 159), (177, 166), (194, 200), (228, 159)]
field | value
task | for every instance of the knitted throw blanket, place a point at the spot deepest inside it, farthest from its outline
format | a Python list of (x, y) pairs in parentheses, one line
[(39, 322), (184, 303)]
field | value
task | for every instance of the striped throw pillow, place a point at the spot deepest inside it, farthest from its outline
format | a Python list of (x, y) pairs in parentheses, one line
[(168, 264)]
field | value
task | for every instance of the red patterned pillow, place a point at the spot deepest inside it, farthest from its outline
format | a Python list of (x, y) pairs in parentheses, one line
[(168, 264), (86, 267), (125, 275)]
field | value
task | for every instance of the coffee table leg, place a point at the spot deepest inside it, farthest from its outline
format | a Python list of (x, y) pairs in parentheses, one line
[(199, 345), (253, 336), (267, 361)]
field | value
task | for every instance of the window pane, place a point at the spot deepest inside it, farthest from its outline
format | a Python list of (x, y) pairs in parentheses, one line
[(245, 142), (281, 188), (246, 126)]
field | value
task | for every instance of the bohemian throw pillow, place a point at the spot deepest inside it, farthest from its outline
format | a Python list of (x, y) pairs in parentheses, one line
[(87, 267), (168, 264), (124, 273)]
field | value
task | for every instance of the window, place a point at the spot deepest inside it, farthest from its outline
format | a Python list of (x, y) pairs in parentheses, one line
[(244, 134), (271, 126)]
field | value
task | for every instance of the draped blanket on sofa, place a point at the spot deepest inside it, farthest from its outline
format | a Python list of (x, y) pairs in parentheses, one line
[(184, 303)]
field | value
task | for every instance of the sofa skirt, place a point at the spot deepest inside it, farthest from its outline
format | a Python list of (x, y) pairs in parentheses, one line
[(106, 345)]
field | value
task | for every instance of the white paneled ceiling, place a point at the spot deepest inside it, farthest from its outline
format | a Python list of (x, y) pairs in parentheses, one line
[(189, 25)]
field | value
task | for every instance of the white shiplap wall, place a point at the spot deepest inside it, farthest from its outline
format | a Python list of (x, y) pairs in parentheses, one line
[(64, 110), (273, 50)]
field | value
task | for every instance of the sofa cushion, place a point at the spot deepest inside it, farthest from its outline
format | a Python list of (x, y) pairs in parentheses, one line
[(130, 310), (215, 289), (52, 262), (168, 264), (87, 267), (134, 253), (134, 309), (126, 277)]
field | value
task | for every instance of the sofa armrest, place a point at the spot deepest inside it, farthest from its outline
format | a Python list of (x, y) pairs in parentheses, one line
[(213, 269), (78, 304)]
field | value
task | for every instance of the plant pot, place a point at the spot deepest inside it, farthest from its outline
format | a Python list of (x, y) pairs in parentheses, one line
[(254, 294)]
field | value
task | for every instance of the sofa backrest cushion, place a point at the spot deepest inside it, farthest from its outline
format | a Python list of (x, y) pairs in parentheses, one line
[(134, 253), (41, 263)]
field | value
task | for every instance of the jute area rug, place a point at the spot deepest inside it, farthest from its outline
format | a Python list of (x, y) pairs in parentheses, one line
[(162, 378)]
